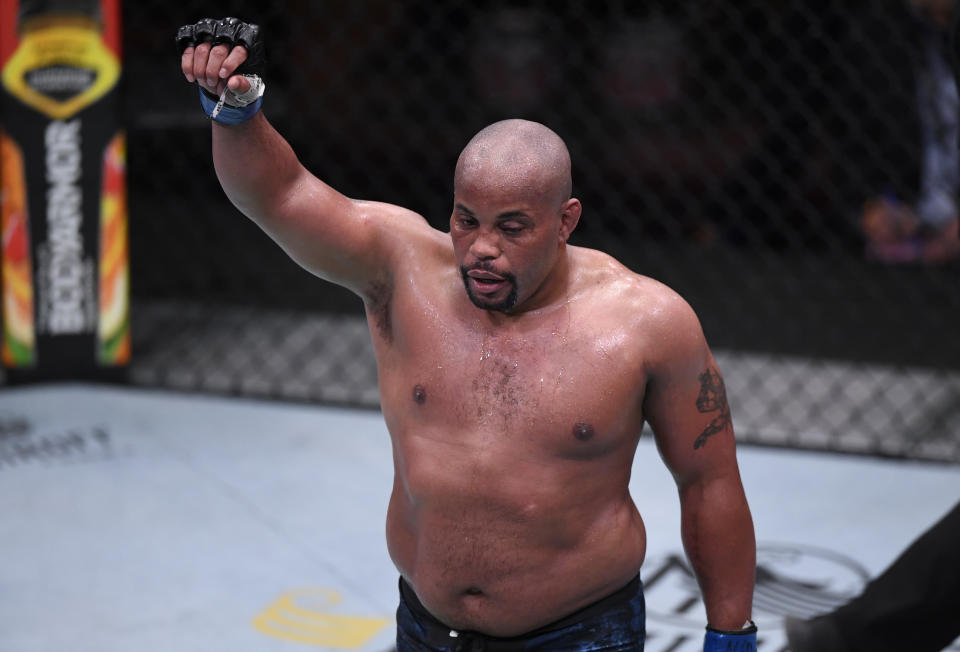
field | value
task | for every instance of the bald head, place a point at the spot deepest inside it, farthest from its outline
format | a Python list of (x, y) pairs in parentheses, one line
[(517, 156)]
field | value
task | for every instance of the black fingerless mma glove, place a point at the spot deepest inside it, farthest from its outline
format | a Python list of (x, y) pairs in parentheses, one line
[(230, 108)]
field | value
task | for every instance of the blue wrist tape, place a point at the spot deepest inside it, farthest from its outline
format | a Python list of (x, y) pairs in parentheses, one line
[(718, 640), (229, 115)]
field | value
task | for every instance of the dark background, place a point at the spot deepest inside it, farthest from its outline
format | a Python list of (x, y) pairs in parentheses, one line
[(725, 148)]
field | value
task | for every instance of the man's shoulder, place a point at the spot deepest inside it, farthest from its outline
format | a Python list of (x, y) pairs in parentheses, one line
[(661, 323), (406, 230), (607, 279)]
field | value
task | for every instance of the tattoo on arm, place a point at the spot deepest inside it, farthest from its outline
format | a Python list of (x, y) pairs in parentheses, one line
[(712, 398)]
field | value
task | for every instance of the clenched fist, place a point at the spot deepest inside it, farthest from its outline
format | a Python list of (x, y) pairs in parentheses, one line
[(225, 57)]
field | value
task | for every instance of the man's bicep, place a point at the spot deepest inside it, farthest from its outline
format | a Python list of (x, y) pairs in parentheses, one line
[(345, 241), (690, 417), (329, 234)]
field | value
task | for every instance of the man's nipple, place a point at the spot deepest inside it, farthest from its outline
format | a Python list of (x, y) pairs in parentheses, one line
[(419, 394), (583, 431)]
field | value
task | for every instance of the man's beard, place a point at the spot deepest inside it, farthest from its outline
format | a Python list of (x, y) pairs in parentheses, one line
[(504, 305)]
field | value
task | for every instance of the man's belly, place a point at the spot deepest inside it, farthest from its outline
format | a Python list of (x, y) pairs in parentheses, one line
[(503, 567)]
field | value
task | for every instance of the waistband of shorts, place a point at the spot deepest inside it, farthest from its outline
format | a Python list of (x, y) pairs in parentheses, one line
[(619, 597)]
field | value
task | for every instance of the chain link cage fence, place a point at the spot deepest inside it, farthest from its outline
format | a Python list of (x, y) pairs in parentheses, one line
[(768, 159)]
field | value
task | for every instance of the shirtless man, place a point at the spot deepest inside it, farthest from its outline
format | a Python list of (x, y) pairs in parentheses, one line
[(515, 374)]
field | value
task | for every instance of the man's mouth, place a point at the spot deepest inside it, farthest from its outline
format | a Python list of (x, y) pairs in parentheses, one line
[(486, 286), (486, 282), (489, 290)]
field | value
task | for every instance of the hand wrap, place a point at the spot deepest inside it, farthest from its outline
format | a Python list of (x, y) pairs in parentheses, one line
[(741, 640), (230, 108)]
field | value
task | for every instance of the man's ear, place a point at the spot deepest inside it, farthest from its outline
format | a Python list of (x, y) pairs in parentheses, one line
[(569, 217)]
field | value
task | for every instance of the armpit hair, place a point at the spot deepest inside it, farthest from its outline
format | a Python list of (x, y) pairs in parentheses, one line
[(378, 299)]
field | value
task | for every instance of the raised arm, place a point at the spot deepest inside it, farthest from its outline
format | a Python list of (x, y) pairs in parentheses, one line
[(343, 240), (686, 405)]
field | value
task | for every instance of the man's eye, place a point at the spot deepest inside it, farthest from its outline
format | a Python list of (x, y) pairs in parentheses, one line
[(511, 230), (466, 222)]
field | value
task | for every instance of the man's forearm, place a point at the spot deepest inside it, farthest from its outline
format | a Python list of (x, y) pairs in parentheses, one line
[(324, 231), (718, 537), (254, 164)]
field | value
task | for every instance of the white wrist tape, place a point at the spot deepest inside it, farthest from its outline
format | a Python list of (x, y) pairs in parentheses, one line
[(255, 92), (233, 108)]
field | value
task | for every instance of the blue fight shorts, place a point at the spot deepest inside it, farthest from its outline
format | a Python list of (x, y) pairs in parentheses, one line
[(616, 623)]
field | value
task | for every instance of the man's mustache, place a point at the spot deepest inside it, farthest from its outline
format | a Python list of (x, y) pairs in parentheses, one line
[(485, 267)]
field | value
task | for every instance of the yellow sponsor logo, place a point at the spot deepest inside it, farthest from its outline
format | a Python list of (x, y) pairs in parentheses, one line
[(304, 616), (57, 54)]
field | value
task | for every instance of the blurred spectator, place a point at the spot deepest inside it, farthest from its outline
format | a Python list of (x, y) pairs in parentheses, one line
[(646, 66), (666, 78), (514, 61), (900, 131)]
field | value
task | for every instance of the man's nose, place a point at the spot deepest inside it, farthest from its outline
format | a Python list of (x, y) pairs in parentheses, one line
[(485, 246)]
